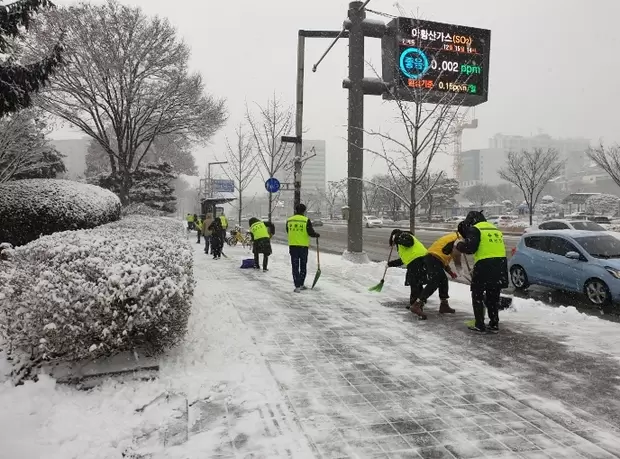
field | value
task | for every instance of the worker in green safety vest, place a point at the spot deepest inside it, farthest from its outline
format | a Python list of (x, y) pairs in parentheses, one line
[(190, 222), (261, 241), (299, 229), (199, 228), (411, 253), (490, 272)]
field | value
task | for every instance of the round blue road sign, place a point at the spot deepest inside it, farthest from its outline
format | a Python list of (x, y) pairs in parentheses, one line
[(272, 185)]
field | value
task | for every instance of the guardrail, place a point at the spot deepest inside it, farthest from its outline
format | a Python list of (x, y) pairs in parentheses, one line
[(423, 228)]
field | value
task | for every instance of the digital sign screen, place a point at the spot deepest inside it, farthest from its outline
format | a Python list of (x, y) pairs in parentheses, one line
[(441, 58)]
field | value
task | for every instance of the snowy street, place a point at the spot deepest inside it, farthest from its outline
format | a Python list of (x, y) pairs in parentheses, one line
[(339, 372)]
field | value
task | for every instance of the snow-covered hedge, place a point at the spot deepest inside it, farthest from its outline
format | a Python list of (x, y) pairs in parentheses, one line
[(90, 293), (35, 207)]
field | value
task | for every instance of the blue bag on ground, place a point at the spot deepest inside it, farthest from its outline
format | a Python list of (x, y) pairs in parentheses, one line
[(247, 263)]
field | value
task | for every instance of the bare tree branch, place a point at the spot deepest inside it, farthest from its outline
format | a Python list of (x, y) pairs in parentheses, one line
[(242, 166), (272, 121)]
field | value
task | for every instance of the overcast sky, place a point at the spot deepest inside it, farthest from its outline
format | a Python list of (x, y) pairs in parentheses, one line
[(554, 64)]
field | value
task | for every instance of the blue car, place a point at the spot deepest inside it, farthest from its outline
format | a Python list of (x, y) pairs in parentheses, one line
[(586, 262)]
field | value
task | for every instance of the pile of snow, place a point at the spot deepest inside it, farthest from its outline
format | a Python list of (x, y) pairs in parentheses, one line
[(30, 208), (91, 293), (139, 208)]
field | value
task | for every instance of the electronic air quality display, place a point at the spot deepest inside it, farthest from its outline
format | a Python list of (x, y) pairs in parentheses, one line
[(443, 58)]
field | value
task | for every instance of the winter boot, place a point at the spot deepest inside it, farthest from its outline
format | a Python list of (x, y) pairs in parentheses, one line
[(416, 308), (297, 290), (444, 307)]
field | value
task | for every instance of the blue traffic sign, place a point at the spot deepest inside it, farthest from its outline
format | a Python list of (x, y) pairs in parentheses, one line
[(272, 185)]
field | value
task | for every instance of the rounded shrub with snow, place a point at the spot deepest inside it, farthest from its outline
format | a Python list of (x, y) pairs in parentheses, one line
[(35, 207), (92, 293)]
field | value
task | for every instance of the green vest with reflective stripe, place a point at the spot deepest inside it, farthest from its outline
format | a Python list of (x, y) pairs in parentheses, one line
[(224, 221), (491, 242), (408, 254), (297, 227), (259, 230)]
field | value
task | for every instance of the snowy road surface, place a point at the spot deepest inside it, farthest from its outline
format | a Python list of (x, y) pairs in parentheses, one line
[(340, 372)]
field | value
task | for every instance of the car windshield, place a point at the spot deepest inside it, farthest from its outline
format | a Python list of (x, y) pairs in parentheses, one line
[(600, 246), (372, 217), (587, 226)]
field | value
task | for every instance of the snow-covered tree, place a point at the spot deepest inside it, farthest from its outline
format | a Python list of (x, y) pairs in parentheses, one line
[(531, 171), (440, 195), (171, 149), (21, 78), (480, 194), (602, 204), (25, 151), (153, 186), (125, 71), (335, 191)]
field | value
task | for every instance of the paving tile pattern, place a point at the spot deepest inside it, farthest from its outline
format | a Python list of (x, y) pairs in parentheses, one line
[(367, 385)]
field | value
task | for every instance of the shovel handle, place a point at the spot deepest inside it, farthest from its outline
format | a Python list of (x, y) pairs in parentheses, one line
[(388, 263), (318, 259)]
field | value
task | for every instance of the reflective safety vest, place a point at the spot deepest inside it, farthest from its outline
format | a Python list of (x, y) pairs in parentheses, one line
[(200, 224), (408, 254), (189, 218), (259, 231), (224, 221), (297, 227), (437, 247), (491, 242)]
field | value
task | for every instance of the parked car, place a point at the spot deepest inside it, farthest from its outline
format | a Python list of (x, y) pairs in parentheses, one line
[(585, 262), (456, 219), (316, 222), (436, 219), (370, 221), (581, 225)]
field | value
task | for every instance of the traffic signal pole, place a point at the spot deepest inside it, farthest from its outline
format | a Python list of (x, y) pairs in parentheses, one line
[(355, 130), (299, 103)]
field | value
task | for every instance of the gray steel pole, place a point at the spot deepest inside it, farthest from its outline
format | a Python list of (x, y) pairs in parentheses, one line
[(299, 113), (209, 180), (355, 242)]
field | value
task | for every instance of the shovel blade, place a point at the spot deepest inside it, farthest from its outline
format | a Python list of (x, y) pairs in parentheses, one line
[(316, 277)]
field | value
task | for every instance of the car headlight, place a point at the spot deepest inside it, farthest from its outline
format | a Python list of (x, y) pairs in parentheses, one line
[(613, 271)]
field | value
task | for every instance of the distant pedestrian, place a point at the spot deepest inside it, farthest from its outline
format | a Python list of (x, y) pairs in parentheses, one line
[(490, 272), (206, 232), (217, 240), (437, 262), (224, 224), (300, 230), (190, 222), (411, 253), (261, 242), (199, 229)]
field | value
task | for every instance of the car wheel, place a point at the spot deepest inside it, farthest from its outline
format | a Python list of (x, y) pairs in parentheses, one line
[(367, 225), (597, 292), (518, 277)]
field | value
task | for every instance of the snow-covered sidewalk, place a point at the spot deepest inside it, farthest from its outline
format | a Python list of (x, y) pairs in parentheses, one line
[(339, 372)]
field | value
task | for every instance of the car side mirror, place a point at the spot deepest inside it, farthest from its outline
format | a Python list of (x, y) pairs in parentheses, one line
[(573, 255)]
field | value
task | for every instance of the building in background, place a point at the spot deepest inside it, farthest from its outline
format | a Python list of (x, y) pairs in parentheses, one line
[(482, 166), (75, 155)]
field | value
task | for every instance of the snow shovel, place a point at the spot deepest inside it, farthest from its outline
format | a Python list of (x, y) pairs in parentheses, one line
[(379, 286), (318, 265)]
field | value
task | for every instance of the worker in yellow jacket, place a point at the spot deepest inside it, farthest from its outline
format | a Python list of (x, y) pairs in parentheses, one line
[(199, 228), (440, 254)]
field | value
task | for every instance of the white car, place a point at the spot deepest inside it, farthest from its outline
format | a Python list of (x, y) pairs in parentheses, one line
[(370, 221), (583, 225)]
